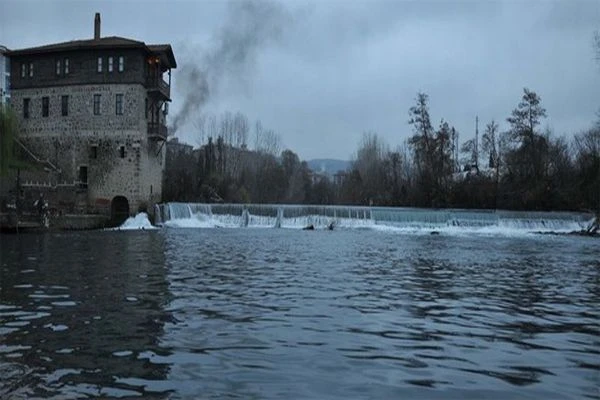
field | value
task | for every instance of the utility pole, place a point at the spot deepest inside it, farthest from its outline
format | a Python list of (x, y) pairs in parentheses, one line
[(477, 142)]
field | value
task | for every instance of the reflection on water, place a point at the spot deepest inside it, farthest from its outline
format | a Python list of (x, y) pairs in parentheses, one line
[(251, 313), (76, 312)]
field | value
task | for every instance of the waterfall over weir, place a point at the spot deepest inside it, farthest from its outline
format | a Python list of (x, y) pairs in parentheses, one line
[(201, 215)]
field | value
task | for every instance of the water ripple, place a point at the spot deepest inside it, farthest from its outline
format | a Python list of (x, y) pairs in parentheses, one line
[(260, 313)]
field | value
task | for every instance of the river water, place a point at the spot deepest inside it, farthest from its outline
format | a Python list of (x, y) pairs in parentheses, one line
[(281, 313)]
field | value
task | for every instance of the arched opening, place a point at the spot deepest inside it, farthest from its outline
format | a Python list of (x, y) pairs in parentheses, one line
[(119, 210)]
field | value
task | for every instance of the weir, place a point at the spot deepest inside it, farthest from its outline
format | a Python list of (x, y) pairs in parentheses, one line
[(300, 216)]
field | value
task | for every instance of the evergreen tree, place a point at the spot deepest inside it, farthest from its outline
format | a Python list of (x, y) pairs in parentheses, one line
[(526, 163), (526, 117)]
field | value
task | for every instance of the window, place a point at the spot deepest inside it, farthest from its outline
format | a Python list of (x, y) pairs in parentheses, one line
[(119, 104), (96, 104), (23, 70), (45, 106), (26, 102), (94, 152), (146, 109), (66, 66), (83, 176), (121, 63), (110, 64), (57, 67), (65, 105), (122, 151), (30, 70), (99, 64)]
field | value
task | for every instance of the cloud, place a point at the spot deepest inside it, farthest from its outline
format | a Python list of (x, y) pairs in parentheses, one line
[(322, 72)]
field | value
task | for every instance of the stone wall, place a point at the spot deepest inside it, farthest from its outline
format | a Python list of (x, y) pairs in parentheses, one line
[(115, 149)]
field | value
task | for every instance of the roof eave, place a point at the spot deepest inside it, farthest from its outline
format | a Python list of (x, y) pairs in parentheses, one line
[(167, 52), (75, 46)]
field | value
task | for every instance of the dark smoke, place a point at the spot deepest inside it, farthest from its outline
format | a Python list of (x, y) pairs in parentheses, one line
[(196, 92), (249, 26)]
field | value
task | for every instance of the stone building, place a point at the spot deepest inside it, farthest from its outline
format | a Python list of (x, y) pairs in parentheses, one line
[(93, 113), (174, 146), (4, 76)]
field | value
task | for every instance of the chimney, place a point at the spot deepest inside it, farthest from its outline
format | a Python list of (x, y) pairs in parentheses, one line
[(97, 27)]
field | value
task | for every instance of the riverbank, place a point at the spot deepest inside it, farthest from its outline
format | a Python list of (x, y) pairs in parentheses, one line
[(11, 223)]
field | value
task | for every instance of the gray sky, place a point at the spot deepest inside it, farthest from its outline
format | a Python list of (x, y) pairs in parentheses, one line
[(320, 73)]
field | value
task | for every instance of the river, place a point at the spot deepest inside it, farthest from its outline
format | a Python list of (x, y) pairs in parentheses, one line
[(177, 313)]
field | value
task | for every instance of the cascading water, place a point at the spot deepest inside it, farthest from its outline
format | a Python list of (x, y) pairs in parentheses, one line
[(158, 217), (279, 218), (245, 218), (380, 218)]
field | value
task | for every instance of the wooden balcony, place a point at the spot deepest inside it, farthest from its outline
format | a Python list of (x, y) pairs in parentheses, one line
[(157, 85), (157, 131)]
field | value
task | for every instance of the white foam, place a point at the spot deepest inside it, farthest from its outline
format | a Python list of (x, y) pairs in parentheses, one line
[(392, 220), (196, 221), (140, 221), (321, 222)]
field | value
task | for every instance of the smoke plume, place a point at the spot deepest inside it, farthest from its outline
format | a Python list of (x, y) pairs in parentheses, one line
[(249, 27)]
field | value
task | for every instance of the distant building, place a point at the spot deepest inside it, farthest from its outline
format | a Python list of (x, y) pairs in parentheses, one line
[(316, 177), (176, 147), (95, 110), (340, 177), (4, 76)]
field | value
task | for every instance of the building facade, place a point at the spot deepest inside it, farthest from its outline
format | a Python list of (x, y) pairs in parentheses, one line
[(4, 76), (93, 111)]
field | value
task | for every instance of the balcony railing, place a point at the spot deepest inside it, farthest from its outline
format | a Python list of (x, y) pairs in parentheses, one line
[(157, 131), (157, 84)]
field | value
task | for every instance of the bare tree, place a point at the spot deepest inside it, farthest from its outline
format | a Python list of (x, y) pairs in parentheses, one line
[(242, 128), (271, 143), (235, 129), (200, 127), (213, 130), (266, 140), (226, 129), (587, 161), (455, 161), (258, 133), (489, 143), (369, 164)]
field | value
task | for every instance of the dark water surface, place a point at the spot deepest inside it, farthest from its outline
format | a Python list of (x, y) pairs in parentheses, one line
[(267, 313)]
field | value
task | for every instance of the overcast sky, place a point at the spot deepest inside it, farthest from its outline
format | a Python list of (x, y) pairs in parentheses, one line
[(321, 73)]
